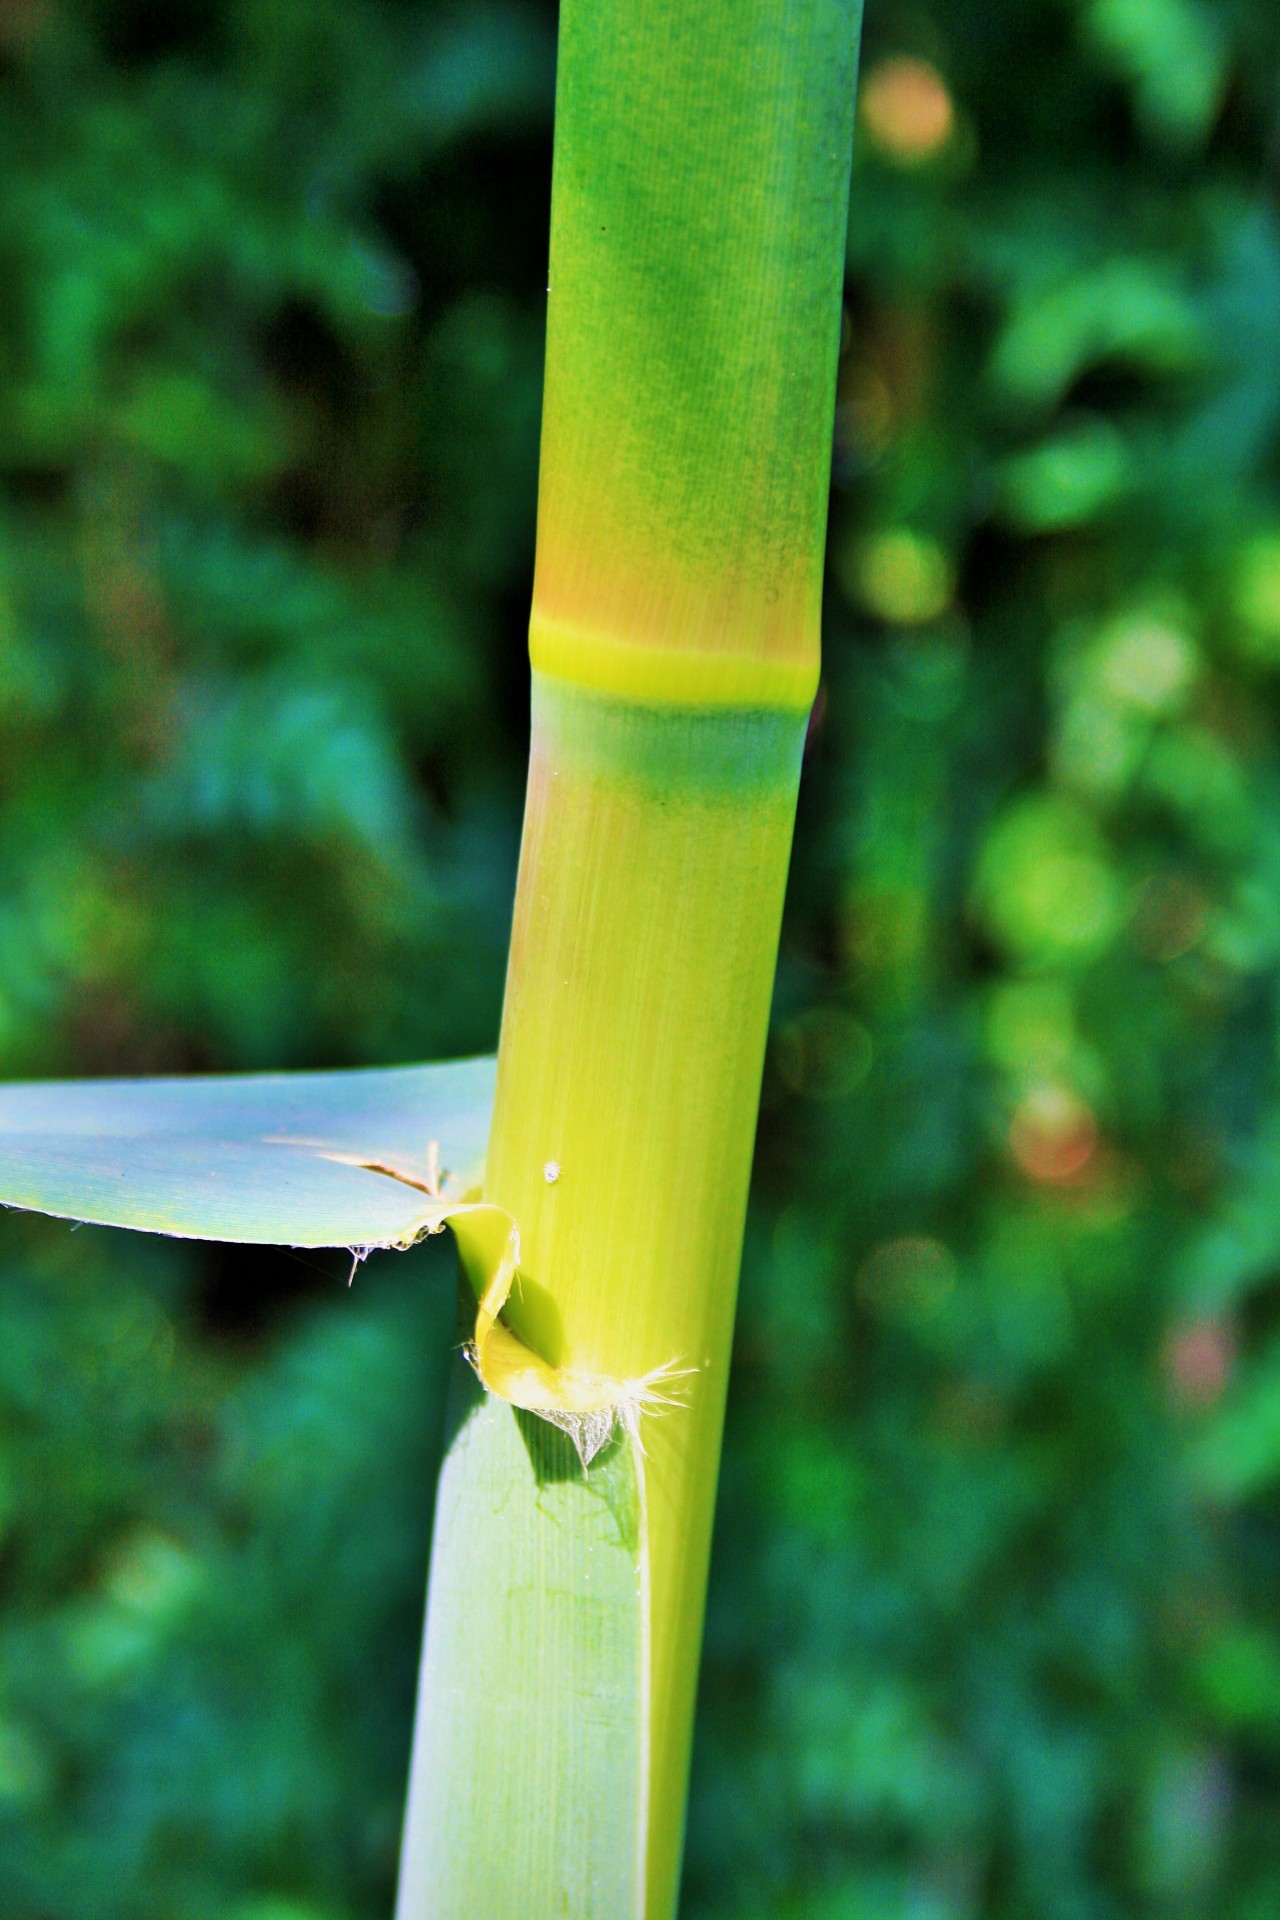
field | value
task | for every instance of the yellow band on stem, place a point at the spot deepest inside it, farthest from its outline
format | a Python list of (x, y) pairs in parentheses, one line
[(669, 676)]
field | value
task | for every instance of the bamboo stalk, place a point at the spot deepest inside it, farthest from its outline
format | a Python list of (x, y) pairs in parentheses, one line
[(642, 962), (698, 219), (702, 152)]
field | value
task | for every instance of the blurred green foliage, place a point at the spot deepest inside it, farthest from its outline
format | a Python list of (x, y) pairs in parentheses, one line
[(995, 1616)]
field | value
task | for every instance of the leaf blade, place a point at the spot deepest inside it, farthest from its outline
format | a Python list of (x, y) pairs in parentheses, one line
[(267, 1159), (528, 1785)]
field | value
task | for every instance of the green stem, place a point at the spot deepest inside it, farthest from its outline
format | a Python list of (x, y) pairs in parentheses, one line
[(642, 959), (702, 153), (651, 882)]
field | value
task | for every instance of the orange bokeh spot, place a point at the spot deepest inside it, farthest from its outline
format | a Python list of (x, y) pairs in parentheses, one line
[(1053, 1134), (907, 110)]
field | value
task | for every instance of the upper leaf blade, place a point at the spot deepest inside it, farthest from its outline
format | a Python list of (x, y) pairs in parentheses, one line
[(277, 1159)]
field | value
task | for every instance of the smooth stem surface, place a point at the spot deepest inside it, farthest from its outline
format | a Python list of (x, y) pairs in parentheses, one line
[(650, 891), (697, 251), (698, 221), (655, 856)]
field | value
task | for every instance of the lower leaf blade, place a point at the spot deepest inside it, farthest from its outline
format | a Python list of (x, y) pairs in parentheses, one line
[(528, 1792)]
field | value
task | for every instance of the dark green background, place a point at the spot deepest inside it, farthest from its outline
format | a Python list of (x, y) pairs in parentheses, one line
[(994, 1628)]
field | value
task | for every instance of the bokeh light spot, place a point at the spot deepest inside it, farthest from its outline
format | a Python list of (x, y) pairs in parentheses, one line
[(906, 110), (1046, 888), (1148, 663), (152, 1574), (1053, 1134), (1074, 476), (1097, 747), (900, 576), (1256, 598)]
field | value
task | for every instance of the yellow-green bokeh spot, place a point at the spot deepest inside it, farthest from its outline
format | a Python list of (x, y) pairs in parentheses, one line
[(1047, 890)]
